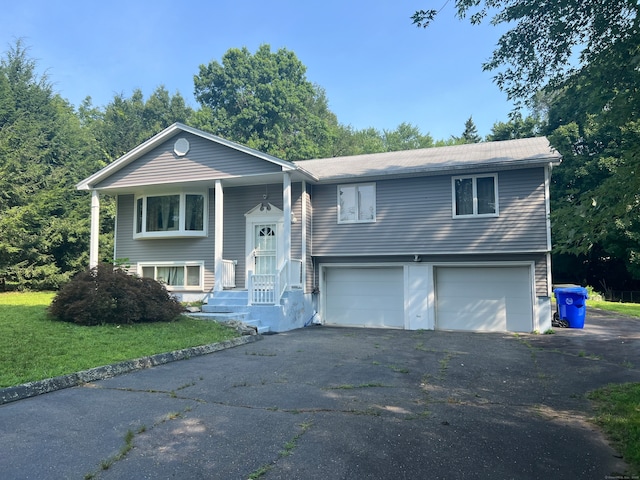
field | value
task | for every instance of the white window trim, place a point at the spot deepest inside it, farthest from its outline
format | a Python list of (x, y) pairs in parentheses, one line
[(357, 186), (475, 213), (173, 288), (181, 232)]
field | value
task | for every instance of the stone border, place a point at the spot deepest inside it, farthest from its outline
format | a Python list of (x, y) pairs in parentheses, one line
[(32, 389)]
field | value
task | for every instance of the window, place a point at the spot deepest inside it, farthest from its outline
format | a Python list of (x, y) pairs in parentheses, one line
[(475, 195), (174, 276), (357, 203), (175, 215)]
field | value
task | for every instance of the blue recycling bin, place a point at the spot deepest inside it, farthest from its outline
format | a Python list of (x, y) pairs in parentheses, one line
[(572, 305)]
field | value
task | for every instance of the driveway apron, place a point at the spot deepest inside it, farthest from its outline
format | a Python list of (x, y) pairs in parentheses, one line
[(340, 403)]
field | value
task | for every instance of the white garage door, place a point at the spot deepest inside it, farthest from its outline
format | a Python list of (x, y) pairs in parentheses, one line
[(367, 297), (494, 299)]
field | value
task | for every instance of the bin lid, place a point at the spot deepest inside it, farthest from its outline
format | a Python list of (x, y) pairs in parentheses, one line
[(572, 290)]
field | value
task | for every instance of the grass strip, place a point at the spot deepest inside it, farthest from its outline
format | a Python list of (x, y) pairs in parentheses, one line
[(35, 347), (630, 309), (618, 414)]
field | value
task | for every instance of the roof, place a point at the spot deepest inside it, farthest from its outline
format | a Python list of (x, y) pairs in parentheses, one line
[(505, 154)]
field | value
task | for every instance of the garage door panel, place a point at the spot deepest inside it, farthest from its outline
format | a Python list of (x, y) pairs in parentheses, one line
[(372, 297), (484, 298)]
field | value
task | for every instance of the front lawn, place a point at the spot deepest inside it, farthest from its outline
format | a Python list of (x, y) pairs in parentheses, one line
[(34, 347), (618, 413)]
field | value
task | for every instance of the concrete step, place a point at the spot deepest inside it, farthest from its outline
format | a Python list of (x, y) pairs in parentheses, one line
[(230, 317)]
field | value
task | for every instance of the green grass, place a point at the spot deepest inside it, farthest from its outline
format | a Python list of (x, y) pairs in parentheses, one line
[(631, 309), (618, 413), (34, 347)]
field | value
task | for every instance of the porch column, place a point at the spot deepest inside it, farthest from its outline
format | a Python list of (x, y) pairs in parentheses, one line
[(286, 230), (218, 236), (94, 239)]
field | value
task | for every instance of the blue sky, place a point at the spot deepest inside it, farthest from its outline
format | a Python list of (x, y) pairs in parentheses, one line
[(377, 69)]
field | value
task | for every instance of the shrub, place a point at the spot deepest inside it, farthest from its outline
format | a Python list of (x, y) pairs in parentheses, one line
[(105, 295)]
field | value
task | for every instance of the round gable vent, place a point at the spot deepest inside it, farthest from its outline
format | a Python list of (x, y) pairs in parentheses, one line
[(181, 147)]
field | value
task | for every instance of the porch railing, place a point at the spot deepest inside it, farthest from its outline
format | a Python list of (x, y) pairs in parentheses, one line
[(262, 288), (267, 289), (229, 273)]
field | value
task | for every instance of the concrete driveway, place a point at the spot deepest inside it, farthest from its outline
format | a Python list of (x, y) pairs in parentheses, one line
[(338, 403)]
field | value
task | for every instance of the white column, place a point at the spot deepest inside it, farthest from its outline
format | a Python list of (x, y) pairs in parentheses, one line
[(218, 235), (286, 230), (303, 247), (94, 240)]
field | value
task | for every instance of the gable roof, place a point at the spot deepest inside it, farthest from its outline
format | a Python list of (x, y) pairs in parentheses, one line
[(169, 132), (504, 154)]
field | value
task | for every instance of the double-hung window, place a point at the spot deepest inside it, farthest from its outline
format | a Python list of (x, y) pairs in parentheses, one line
[(475, 195), (175, 276), (174, 215), (357, 203)]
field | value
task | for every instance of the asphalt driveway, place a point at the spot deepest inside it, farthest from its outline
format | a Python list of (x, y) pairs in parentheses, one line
[(338, 403)]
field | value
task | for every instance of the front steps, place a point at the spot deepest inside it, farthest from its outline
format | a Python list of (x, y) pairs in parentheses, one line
[(231, 305), (293, 311)]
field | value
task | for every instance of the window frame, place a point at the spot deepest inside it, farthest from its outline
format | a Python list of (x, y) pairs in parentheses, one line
[(175, 288), (474, 182), (357, 186), (140, 231)]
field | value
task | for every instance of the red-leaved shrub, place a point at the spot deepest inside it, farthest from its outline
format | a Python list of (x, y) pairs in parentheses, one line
[(105, 295)]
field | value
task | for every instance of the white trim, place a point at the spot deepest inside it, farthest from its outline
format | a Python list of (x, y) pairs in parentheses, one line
[(357, 186), (549, 276), (257, 216), (218, 232), (434, 254), (184, 288), (303, 226), (547, 203), (181, 232), (474, 180), (94, 242), (286, 225)]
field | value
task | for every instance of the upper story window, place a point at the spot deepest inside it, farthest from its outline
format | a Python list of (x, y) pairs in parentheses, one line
[(357, 203), (475, 195), (174, 215)]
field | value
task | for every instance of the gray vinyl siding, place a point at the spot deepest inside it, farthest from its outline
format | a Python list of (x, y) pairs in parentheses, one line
[(205, 160), (163, 249), (414, 216), (240, 200), (540, 266)]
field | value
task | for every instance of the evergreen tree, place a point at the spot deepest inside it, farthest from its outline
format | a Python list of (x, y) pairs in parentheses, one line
[(470, 134)]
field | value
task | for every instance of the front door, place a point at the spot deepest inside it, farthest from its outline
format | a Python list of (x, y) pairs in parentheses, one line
[(265, 243), (263, 227)]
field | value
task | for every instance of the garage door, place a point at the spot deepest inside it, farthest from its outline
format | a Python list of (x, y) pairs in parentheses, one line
[(495, 299), (369, 297)]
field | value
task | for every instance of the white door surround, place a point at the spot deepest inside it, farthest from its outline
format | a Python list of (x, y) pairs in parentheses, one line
[(263, 248)]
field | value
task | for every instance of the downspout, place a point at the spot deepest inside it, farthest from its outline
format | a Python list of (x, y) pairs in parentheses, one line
[(547, 201)]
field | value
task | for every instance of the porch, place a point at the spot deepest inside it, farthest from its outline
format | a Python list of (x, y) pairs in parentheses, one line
[(263, 288)]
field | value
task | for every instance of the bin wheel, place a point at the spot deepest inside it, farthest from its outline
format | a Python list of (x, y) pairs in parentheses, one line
[(558, 322)]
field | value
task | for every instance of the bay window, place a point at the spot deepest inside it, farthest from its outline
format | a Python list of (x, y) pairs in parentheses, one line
[(174, 215)]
